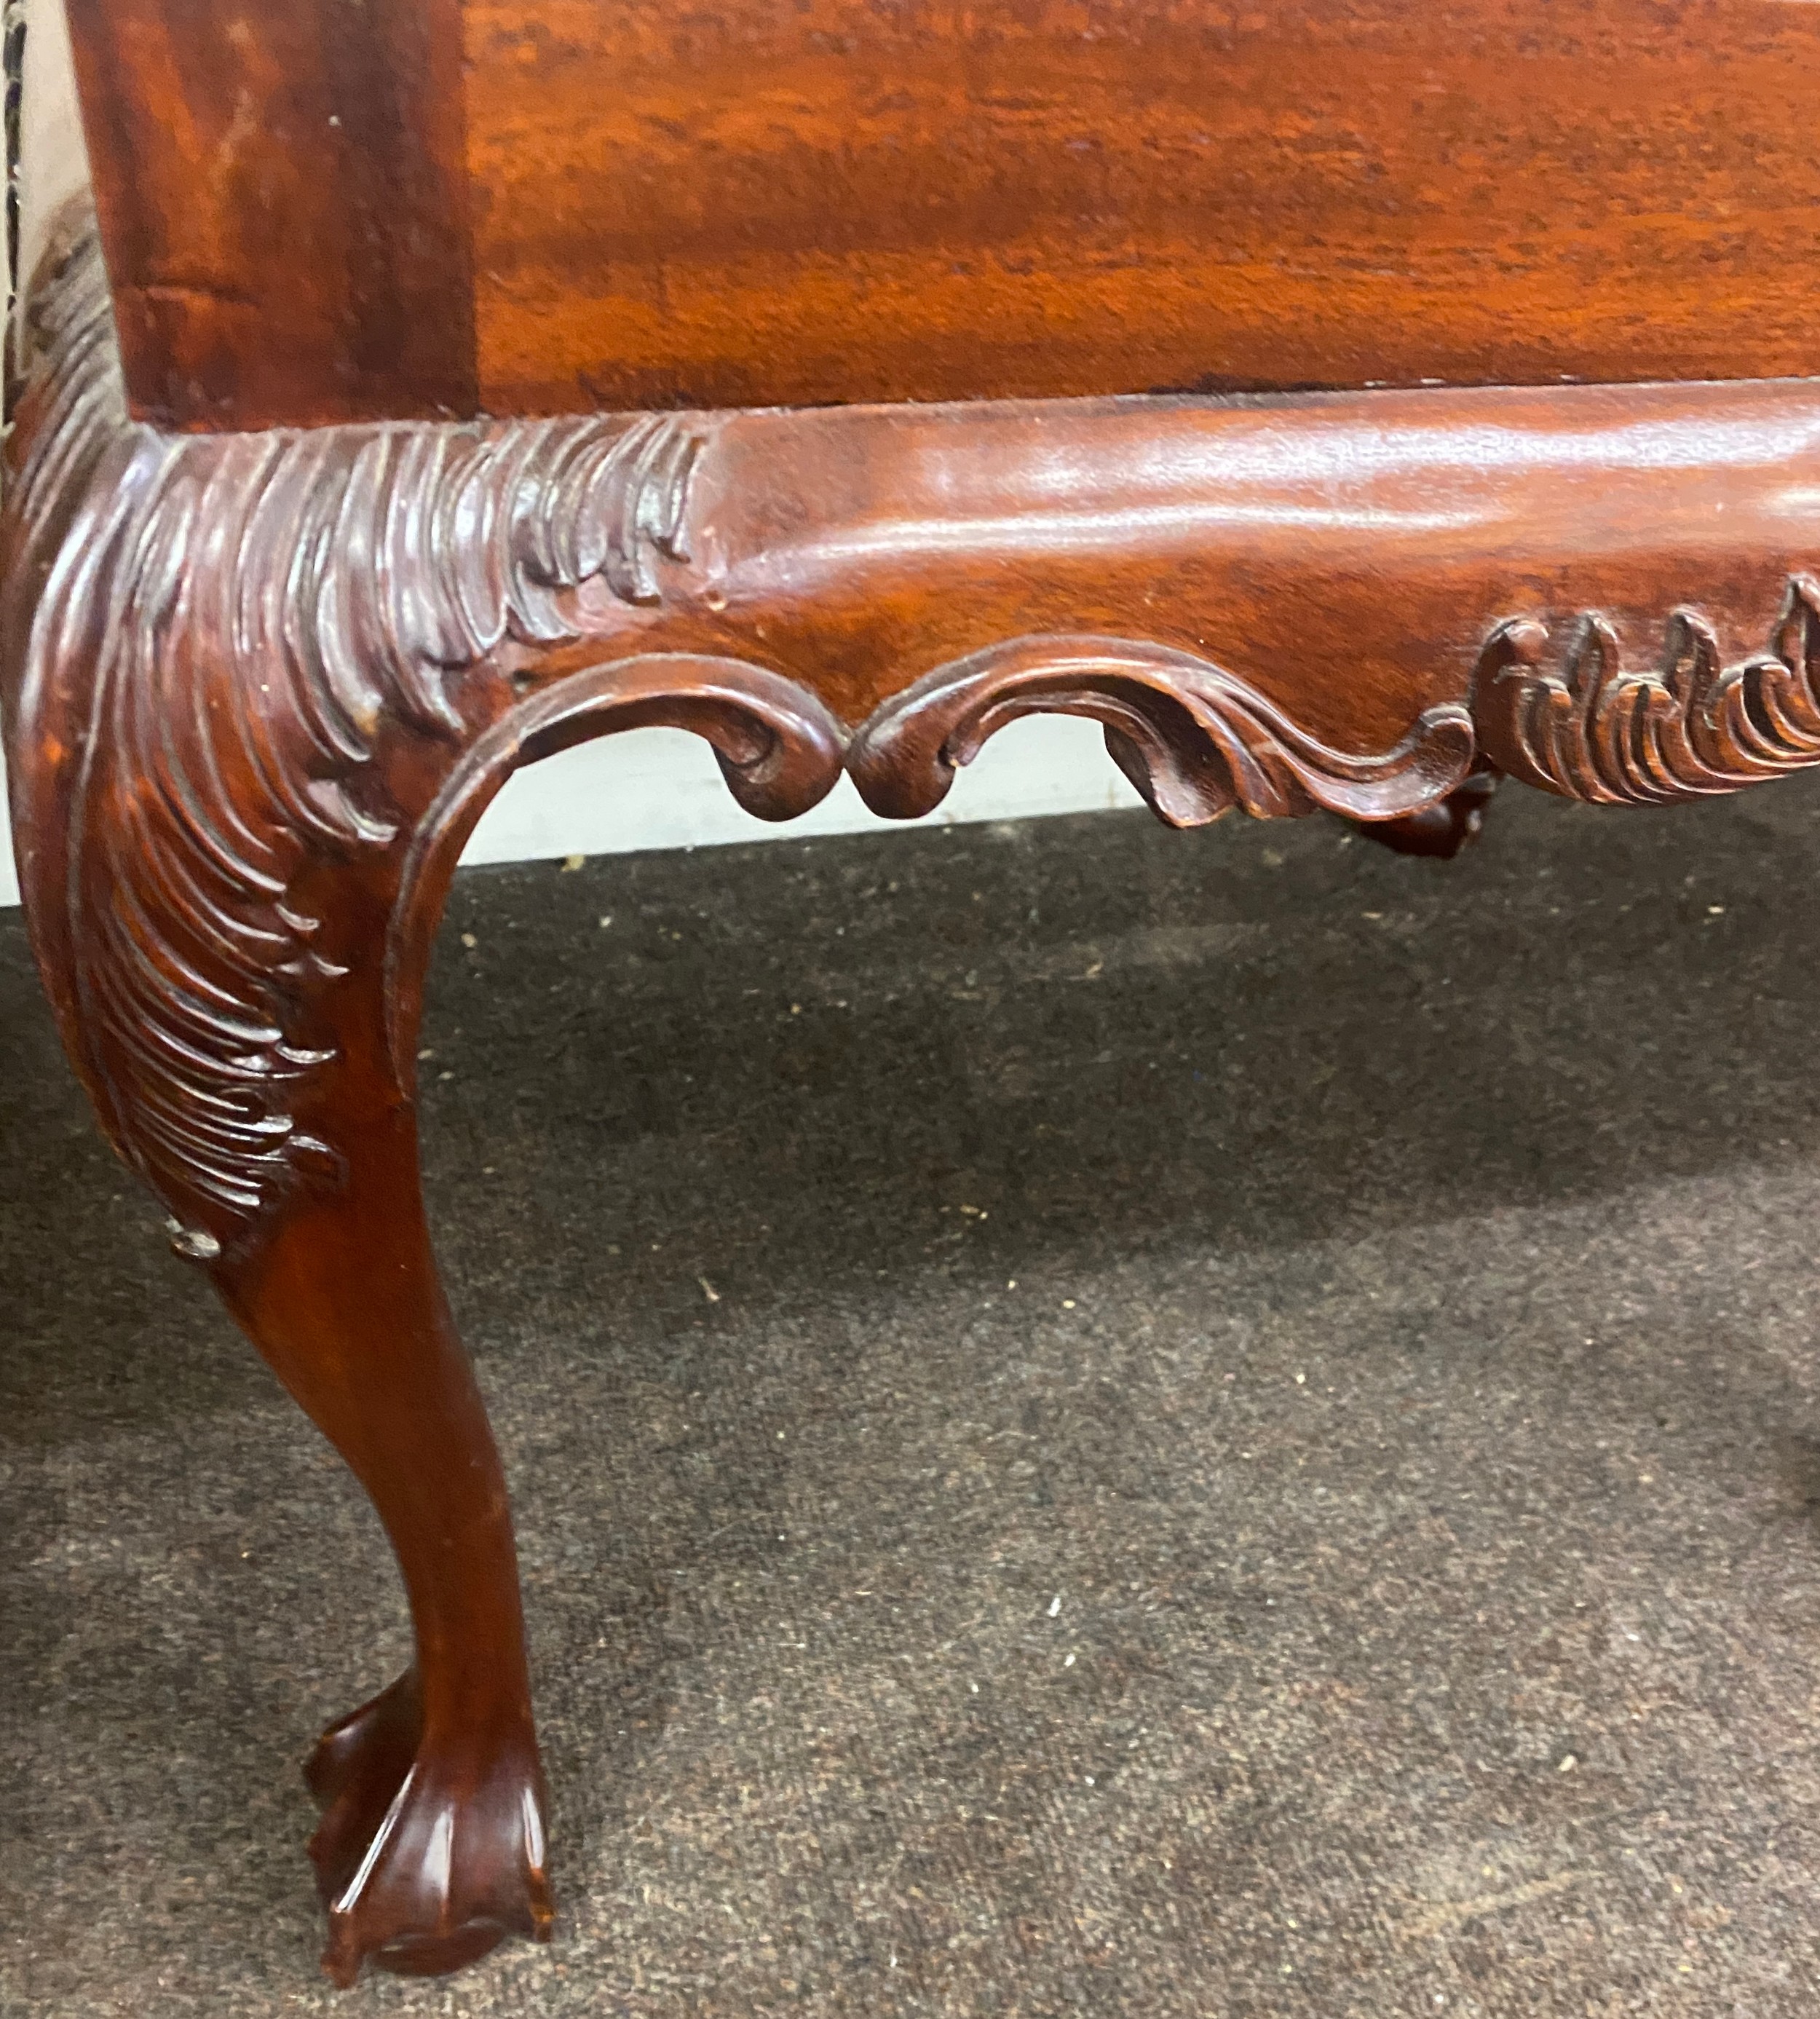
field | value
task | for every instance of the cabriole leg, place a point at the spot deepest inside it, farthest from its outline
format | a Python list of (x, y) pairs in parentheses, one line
[(256, 691), (431, 1845)]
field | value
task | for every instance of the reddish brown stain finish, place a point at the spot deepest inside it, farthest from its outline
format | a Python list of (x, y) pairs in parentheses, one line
[(835, 201), (313, 215), (282, 203), (1348, 554), (257, 688)]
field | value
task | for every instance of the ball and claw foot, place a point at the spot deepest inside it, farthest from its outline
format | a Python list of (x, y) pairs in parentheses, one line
[(427, 1855)]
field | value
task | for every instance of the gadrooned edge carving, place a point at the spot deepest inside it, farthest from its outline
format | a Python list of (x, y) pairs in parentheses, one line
[(215, 633), (1195, 740), (1691, 726)]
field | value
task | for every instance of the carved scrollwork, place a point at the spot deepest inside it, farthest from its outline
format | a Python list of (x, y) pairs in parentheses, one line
[(1690, 726), (239, 667), (779, 750), (1195, 740)]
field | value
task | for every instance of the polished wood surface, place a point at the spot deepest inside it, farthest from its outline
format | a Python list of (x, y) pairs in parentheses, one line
[(260, 680), (417, 208), (258, 688)]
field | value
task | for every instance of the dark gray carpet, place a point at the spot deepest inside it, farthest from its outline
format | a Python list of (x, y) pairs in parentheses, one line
[(1102, 1422)]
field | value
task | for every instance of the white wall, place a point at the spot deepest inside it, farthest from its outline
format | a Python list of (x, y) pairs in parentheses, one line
[(661, 788), (9, 876)]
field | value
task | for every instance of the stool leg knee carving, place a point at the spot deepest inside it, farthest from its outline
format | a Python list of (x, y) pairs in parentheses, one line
[(248, 1038), (258, 690)]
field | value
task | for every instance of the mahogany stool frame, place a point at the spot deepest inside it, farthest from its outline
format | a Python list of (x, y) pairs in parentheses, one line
[(259, 686)]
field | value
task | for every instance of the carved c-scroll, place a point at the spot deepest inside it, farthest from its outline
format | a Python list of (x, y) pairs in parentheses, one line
[(1195, 740), (779, 750), (1694, 726), (232, 662)]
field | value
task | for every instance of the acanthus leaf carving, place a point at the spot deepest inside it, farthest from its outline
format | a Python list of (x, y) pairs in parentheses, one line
[(224, 631), (1690, 726), (1195, 740)]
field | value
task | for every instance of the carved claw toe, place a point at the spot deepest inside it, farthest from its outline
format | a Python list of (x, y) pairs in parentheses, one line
[(428, 1854)]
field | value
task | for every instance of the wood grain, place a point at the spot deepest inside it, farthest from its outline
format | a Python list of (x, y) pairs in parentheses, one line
[(837, 200), (257, 687), (321, 212)]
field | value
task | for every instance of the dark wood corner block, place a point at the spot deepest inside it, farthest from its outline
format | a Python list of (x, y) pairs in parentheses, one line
[(259, 685)]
